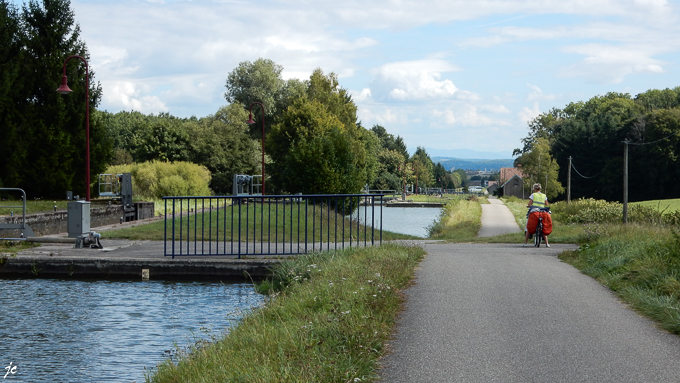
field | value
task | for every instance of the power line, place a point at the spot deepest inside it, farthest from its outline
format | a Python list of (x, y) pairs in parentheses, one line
[(577, 172), (653, 142)]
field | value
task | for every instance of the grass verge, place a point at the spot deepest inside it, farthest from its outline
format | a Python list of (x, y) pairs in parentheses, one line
[(269, 224), (641, 264), (460, 221), (328, 319)]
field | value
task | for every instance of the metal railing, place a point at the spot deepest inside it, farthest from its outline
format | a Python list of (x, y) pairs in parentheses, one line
[(25, 229), (270, 225)]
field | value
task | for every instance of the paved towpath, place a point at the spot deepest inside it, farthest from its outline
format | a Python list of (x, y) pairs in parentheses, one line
[(497, 219), (504, 313)]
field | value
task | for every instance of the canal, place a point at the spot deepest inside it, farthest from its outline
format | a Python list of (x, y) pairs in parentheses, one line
[(109, 331), (81, 331), (404, 220)]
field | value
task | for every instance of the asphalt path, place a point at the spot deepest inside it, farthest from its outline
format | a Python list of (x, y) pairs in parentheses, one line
[(505, 313), (497, 219)]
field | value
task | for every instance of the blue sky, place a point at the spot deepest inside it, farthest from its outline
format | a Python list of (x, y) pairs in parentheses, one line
[(446, 75)]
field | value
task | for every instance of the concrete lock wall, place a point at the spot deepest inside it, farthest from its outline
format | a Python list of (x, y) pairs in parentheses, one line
[(57, 222)]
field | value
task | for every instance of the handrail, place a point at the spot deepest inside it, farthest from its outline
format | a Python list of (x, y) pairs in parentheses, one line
[(23, 211), (269, 225)]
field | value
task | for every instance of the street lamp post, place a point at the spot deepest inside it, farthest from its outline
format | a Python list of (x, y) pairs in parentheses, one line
[(64, 89), (250, 122), (403, 174), (416, 169)]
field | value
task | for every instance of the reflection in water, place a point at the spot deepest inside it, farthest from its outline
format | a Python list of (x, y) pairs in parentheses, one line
[(403, 220), (98, 331)]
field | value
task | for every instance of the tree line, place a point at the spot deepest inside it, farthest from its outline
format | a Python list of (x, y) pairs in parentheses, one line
[(594, 134), (314, 142)]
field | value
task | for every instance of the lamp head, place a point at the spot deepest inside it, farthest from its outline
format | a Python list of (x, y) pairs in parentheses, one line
[(64, 89), (250, 119)]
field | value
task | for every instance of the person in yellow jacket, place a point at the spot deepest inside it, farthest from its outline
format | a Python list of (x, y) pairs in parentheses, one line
[(536, 199)]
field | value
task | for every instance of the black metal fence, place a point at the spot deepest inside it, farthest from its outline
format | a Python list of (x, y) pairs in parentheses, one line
[(270, 225)]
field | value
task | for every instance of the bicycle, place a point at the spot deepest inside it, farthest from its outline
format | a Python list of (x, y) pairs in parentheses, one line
[(539, 232)]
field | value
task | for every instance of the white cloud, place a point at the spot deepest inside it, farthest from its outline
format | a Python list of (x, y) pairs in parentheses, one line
[(527, 114), (361, 96), (472, 117), (538, 95), (446, 116), (384, 116), (416, 80), (498, 109), (466, 95), (609, 64), (128, 97)]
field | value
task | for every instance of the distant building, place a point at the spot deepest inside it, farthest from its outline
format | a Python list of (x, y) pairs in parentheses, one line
[(512, 183), (492, 188)]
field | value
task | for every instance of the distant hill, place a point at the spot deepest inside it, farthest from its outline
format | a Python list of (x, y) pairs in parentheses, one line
[(450, 163), (468, 154)]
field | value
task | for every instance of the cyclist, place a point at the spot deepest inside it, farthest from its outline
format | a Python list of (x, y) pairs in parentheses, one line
[(537, 200)]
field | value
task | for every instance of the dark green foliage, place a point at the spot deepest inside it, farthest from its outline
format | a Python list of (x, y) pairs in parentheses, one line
[(260, 81), (43, 132), (314, 153), (317, 147), (220, 142), (163, 139), (387, 181), (11, 56), (592, 134)]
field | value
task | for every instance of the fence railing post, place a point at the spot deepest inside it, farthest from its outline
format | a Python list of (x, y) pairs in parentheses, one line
[(216, 226)]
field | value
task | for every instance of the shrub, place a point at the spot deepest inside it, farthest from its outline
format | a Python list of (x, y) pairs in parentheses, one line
[(672, 218), (590, 210), (157, 179), (644, 214)]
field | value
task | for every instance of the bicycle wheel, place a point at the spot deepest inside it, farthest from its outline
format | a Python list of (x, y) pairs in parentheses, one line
[(539, 234)]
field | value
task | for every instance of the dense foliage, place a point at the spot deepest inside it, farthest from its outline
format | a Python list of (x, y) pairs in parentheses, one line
[(592, 133), (43, 133)]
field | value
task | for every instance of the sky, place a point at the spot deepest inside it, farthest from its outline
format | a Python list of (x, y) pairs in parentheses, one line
[(460, 78)]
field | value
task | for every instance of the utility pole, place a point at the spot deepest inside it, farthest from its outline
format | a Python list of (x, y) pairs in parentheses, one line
[(569, 182), (625, 182)]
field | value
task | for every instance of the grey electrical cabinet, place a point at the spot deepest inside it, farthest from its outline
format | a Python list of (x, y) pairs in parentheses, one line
[(78, 218)]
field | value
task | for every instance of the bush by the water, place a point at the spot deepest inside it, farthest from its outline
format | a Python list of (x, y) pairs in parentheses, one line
[(157, 179)]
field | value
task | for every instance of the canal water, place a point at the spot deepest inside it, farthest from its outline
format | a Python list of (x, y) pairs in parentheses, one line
[(403, 220), (108, 331)]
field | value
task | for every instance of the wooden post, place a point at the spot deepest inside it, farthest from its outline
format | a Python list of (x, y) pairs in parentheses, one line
[(569, 182), (625, 182)]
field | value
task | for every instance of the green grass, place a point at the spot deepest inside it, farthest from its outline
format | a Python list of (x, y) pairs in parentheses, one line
[(39, 206), (44, 206), (328, 320), (666, 205), (641, 264), (429, 198), (459, 221), (222, 224), (10, 248)]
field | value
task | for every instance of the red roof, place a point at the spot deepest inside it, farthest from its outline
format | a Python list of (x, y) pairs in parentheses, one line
[(507, 173)]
